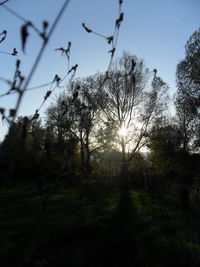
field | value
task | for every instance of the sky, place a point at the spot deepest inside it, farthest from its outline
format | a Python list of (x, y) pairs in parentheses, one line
[(154, 30)]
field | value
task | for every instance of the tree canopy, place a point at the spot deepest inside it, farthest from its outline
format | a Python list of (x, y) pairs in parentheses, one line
[(187, 99)]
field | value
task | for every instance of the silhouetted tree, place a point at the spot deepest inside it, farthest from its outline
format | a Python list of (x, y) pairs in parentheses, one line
[(187, 103), (164, 144), (132, 99), (187, 99), (17, 148), (78, 114)]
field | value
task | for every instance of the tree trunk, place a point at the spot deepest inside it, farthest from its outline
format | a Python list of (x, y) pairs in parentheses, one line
[(88, 167), (124, 167), (82, 155), (186, 180)]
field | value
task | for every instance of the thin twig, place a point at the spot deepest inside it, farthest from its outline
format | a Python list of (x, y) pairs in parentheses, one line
[(5, 53), (14, 13), (39, 57), (5, 80), (28, 89), (52, 90), (2, 3), (5, 94), (99, 34), (21, 18)]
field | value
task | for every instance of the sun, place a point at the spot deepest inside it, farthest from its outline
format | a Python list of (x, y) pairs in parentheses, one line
[(123, 131)]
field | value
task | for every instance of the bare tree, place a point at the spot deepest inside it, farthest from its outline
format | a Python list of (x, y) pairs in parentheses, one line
[(133, 100)]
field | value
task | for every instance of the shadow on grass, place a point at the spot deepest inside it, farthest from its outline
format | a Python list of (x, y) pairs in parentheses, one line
[(123, 246), (93, 225), (104, 237)]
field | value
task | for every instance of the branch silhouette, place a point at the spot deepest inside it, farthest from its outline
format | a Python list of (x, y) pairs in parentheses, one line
[(18, 80), (3, 36), (2, 3), (20, 17), (13, 53), (39, 56), (58, 80), (113, 39)]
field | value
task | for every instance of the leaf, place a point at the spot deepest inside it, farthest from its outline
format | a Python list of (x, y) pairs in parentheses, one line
[(15, 52), (24, 34), (119, 20), (45, 25), (67, 51), (43, 34), (110, 39), (86, 28), (73, 68), (56, 79), (48, 93)]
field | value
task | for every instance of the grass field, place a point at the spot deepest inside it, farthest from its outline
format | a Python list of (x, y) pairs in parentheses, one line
[(92, 224)]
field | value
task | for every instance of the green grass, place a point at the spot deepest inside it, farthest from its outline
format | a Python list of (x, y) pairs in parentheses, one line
[(90, 224)]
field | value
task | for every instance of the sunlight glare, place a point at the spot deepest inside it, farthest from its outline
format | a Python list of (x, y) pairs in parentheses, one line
[(123, 131)]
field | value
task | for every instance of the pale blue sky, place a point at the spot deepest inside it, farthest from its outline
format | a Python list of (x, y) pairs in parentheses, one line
[(155, 30)]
